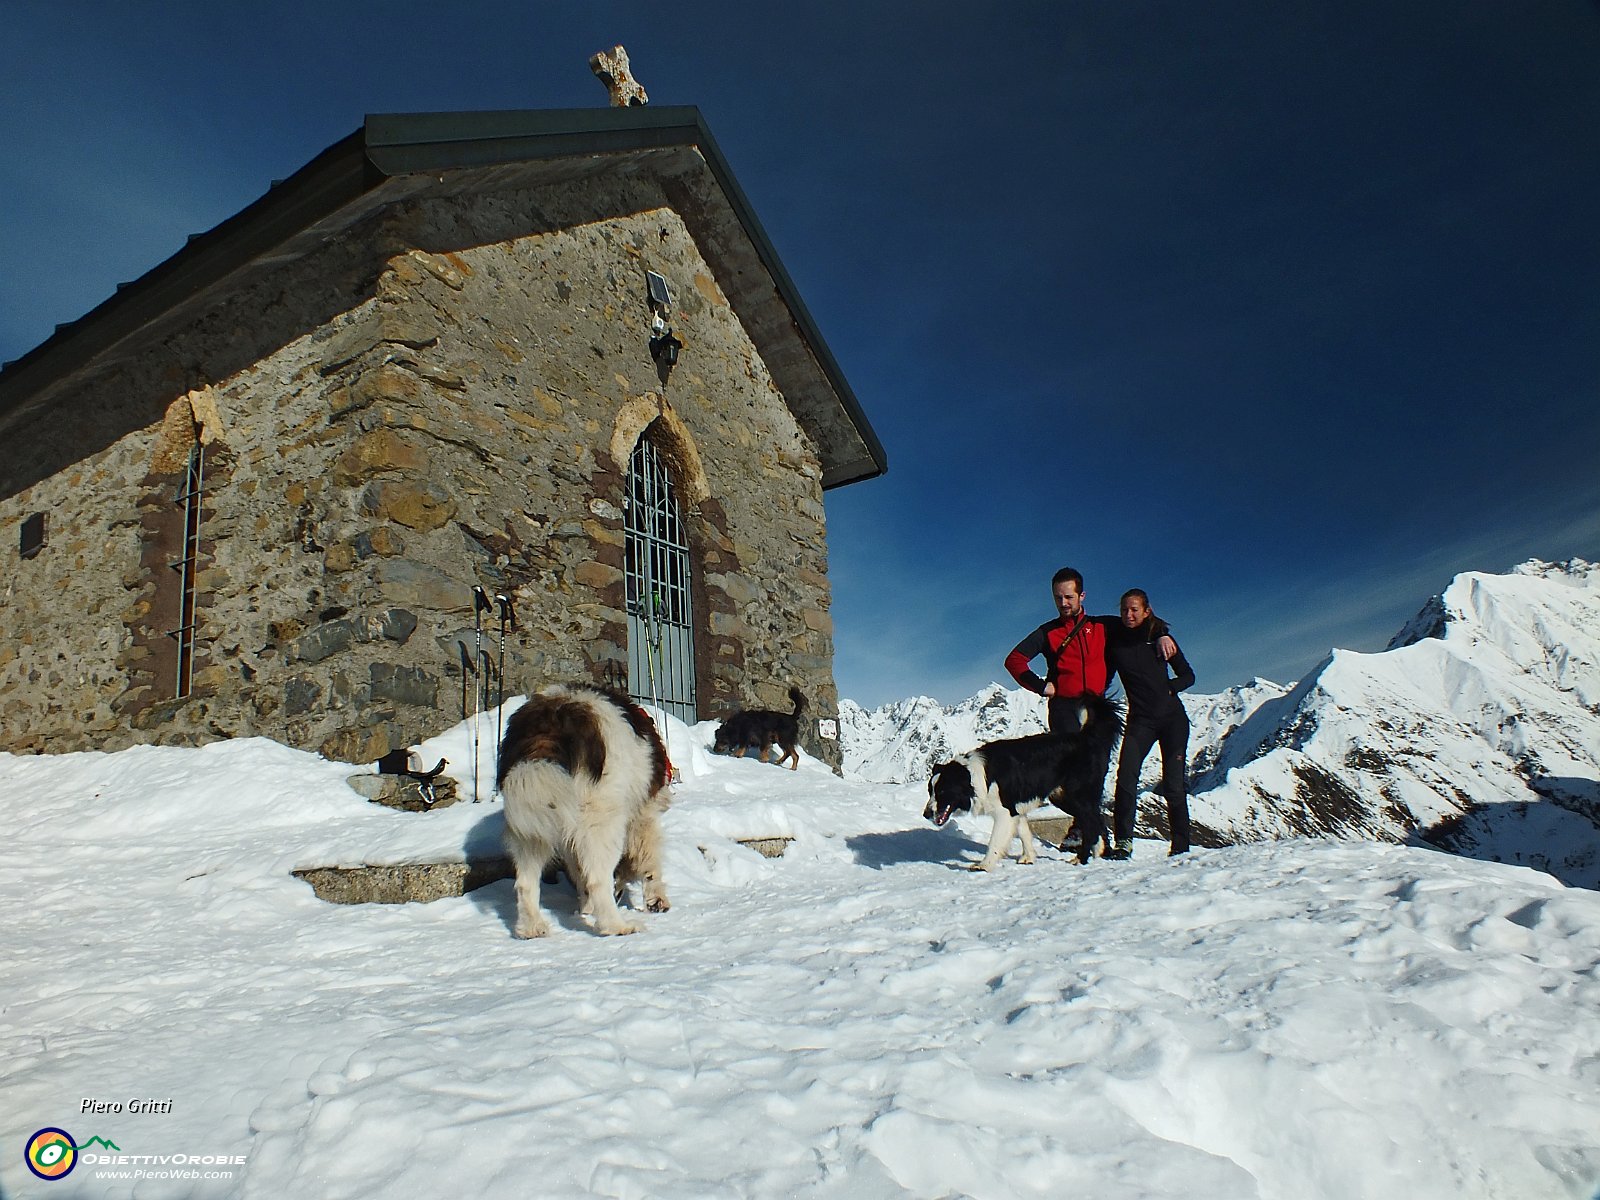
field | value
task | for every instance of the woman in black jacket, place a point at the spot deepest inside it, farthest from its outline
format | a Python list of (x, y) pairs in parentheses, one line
[(1155, 714)]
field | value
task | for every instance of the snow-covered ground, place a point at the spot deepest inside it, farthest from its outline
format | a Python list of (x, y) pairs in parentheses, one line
[(861, 1017)]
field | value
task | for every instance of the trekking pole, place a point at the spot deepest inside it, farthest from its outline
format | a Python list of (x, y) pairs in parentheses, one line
[(653, 643), (469, 672), (508, 617), (490, 686), (480, 605)]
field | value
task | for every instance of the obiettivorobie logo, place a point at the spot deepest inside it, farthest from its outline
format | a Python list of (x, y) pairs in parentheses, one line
[(52, 1153)]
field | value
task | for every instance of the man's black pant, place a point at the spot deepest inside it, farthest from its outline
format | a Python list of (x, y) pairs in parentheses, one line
[(1064, 716), (1172, 732)]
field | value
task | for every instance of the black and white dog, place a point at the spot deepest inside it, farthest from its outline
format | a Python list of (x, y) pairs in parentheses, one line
[(584, 773), (1011, 777)]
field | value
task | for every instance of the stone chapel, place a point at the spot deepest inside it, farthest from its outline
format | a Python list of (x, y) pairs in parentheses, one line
[(548, 355)]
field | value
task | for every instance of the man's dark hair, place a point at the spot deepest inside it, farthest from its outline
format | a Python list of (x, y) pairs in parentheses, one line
[(1065, 574)]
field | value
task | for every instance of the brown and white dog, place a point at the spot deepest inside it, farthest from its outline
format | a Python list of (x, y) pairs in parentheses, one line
[(760, 729), (1011, 777), (584, 774)]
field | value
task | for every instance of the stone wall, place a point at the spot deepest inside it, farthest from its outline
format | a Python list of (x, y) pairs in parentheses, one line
[(465, 419)]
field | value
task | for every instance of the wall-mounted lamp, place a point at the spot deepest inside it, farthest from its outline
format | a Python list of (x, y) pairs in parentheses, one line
[(664, 349), (664, 345)]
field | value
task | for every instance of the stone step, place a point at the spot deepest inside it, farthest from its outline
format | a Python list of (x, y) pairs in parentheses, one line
[(407, 883), (403, 883)]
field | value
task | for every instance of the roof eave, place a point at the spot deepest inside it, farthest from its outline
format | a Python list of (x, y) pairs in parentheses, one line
[(337, 176), (391, 146)]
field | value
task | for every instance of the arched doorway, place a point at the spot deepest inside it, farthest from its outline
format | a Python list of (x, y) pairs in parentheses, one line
[(657, 570)]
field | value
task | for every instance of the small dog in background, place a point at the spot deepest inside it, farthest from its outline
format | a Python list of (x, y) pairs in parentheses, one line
[(760, 729)]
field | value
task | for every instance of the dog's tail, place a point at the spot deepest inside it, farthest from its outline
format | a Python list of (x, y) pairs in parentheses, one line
[(1101, 716), (533, 789), (799, 700), (1101, 720), (554, 750)]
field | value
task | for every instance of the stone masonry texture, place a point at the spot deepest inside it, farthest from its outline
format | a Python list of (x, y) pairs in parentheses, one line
[(438, 400)]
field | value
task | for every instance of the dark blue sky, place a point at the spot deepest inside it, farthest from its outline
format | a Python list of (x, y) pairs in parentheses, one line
[(1284, 312)]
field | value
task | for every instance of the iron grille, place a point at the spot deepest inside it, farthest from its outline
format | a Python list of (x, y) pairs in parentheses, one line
[(660, 616)]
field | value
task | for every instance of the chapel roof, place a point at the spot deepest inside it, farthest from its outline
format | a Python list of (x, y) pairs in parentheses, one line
[(398, 157)]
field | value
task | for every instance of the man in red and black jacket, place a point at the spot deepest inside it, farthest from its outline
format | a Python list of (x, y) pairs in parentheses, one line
[(1074, 650)]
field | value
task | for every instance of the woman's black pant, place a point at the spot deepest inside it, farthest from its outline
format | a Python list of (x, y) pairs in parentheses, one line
[(1172, 732)]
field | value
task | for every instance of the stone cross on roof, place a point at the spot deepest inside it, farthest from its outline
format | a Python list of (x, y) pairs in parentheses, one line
[(611, 66)]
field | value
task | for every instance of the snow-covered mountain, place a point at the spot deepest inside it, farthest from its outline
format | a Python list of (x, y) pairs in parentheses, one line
[(1477, 730), (1213, 716), (900, 742)]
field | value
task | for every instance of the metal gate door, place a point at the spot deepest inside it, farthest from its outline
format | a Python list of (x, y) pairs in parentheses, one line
[(660, 621)]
